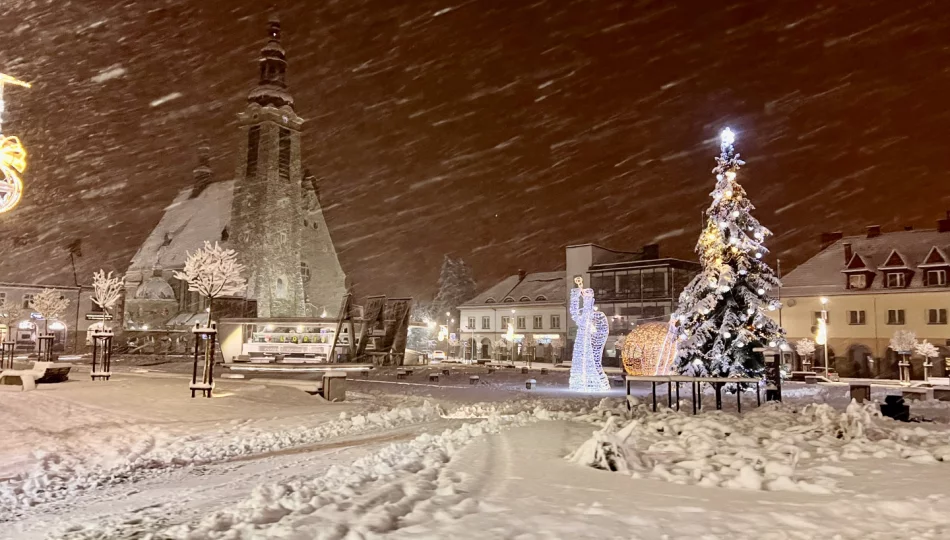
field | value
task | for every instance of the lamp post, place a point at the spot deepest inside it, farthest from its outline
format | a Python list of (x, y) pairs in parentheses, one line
[(824, 328)]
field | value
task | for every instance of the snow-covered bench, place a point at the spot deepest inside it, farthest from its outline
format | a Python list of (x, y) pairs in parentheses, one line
[(917, 393), (23, 379), (40, 373), (696, 385)]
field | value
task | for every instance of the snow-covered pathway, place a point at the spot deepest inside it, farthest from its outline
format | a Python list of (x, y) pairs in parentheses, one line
[(133, 510), (525, 489)]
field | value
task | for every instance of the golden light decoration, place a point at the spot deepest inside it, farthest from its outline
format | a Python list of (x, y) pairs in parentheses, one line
[(12, 157), (650, 349), (12, 163)]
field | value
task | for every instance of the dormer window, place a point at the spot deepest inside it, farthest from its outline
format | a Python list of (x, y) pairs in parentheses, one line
[(508, 300), (857, 281), (490, 301), (896, 280), (524, 299), (936, 278)]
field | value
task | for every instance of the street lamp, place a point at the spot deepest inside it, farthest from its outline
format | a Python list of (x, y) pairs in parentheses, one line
[(823, 329)]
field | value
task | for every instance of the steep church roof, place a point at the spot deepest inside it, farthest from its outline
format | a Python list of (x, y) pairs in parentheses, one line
[(188, 222)]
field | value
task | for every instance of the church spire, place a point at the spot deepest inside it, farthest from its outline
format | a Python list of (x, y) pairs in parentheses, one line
[(271, 89)]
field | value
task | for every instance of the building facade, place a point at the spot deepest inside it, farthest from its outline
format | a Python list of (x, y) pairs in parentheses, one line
[(24, 325), (629, 286), (535, 307), (269, 212), (873, 285)]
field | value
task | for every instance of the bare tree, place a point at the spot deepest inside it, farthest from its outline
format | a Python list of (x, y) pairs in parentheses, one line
[(9, 316), (106, 291), (50, 304), (213, 272)]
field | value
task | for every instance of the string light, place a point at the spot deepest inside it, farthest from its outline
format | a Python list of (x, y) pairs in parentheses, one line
[(650, 349), (587, 373), (12, 157)]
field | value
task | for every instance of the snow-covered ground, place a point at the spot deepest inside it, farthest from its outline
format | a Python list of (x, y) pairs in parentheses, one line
[(136, 458)]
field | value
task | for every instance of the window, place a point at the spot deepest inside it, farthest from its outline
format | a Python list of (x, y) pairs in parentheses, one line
[(541, 298), (857, 317), (895, 316), (827, 316), (505, 321), (524, 299), (3, 297), (508, 300), (27, 300), (555, 322), (521, 323), (281, 288), (936, 278), (471, 323), (489, 300), (283, 154), (304, 272), (857, 281), (486, 323), (896, 280), (936, 316), (538, 322), (253, 142)]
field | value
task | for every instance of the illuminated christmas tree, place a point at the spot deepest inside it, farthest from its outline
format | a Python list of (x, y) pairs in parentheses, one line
[(723, 313)]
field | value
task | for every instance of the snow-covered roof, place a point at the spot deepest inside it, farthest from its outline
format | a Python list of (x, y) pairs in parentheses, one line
[(822, 274), (155, 288), (184, 228), (539, 287)]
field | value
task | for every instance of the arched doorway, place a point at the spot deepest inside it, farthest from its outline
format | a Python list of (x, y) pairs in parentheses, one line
[(856, 363), (889, 368), (486, 348)]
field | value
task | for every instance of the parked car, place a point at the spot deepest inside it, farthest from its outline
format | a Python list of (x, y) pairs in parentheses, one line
[(438, 356)]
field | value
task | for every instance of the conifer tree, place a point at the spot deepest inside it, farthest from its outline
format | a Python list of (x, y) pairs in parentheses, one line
[(723, 313)]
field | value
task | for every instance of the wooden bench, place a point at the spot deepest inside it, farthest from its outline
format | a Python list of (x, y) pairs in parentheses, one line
[(860, 392), (23, 379), (473, 380), (400, 374), (917, 393), (40, 373), (942, 393)]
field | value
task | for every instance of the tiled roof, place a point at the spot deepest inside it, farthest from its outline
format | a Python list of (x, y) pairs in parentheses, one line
[(549, 285), (822, 274)]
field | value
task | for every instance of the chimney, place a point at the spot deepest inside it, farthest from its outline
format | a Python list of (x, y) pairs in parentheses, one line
[(943, 225), (521, 275), (874, 231), (651, 252), (848, 253), (828, 238)]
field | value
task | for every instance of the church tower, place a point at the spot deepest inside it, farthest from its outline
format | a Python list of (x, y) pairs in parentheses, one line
[(277, 225), (266, 209)]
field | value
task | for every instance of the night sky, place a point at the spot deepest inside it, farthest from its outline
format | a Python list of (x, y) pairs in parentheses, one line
[(494, 130)]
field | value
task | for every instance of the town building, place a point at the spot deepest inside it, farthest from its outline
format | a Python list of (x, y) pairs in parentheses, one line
[(533, 305), (24, 325), (629, 286), (874, 284), (268, 211)]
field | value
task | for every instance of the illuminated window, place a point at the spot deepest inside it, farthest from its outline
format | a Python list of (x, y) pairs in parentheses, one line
[(857, 281)]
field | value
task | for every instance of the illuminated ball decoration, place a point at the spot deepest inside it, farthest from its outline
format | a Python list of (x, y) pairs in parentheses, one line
[(650, 349)]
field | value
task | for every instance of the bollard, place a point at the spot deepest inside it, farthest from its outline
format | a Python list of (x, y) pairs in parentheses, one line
[(473, 380), (530, 384)]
